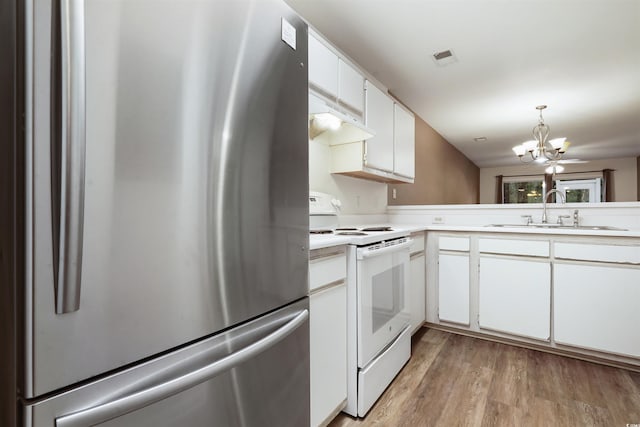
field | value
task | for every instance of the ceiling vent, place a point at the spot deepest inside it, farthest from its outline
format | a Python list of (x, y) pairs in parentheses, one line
[(444, 58)]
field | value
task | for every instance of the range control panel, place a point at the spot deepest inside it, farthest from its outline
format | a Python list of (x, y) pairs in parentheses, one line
[(323, 204)]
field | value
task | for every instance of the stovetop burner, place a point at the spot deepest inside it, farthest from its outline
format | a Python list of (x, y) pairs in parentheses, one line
[(321, 231), (377, 229), (351, 231)]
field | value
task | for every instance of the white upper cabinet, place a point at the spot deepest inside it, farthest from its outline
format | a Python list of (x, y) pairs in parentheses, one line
[(335, 80), (350, 89), (323, 69), (337, 86), (404, 141), (379, 116)]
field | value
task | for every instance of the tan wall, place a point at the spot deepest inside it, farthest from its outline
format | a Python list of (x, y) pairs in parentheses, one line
[(625, 181), (443, 174)]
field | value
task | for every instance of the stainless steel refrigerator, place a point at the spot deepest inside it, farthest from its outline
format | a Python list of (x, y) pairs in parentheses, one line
[(160, 213)]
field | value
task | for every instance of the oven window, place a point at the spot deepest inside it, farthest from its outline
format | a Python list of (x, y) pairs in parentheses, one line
[(388, 296)]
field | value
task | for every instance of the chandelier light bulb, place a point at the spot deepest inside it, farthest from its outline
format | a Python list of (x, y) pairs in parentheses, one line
[(557, 143), (554, 169), (530, 145), (519, 150)]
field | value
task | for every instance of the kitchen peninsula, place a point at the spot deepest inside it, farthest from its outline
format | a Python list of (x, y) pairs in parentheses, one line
[(566, 290)]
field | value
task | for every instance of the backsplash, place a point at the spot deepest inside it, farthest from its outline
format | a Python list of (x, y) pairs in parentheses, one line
[(358, 196)]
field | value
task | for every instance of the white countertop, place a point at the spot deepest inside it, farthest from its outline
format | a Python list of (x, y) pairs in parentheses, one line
[(533, 230), (317, 241)]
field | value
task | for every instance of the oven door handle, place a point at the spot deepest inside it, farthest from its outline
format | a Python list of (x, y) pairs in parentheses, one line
[(395, 248)]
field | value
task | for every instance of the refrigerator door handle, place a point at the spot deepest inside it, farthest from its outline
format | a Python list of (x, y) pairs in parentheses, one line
[(124, 405), (72, 157)]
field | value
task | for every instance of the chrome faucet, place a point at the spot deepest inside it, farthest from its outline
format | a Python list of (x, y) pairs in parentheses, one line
[(544, 202)]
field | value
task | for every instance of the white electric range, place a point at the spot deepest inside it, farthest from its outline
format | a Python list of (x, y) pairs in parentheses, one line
[(378, 334), (324, 212)]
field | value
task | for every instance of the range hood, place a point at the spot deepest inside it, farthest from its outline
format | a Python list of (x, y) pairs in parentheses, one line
[(332, 125)]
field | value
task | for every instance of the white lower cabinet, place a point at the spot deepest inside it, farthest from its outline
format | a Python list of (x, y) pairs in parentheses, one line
[(417, 300), (327, 334), (576, 293), (417, 288), (597, 307), (453, 287), (515, 296)]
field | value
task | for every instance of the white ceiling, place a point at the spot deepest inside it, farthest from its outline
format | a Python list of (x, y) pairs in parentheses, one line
[(580, 57)]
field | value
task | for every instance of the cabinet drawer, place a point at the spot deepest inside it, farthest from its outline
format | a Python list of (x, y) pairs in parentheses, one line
[(327, 268), (418, 243), (514, 247), (454, 243), (605, 253)]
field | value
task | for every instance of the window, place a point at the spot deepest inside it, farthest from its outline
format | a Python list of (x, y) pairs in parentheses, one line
[(522, 192), (581, 190), (529, 190)]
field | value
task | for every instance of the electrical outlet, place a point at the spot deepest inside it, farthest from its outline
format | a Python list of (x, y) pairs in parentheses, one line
[(393, 193), (438, 220)]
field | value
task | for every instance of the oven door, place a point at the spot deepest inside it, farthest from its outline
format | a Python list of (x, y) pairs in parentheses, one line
[(382, 295)]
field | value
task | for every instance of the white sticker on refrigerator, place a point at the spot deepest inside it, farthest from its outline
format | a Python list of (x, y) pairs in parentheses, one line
[(288, 34)]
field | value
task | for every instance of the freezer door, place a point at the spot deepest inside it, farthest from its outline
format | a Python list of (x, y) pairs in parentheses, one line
[(253, 375), (167, 177)]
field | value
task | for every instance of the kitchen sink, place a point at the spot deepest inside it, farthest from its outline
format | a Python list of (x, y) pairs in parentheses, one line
[(560, 226)]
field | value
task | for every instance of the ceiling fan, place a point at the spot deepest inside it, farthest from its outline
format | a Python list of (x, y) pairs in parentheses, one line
[(555, 166)]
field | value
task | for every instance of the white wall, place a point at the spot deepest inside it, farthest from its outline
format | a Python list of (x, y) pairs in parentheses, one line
[(358, 196), (625, 178)]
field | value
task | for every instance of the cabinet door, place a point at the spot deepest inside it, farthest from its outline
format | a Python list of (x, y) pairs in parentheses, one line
[(404, 140), (328, 352), (596, 307), (515, 296), (350, 89), (379, 117), (453, 288), (418, 284), (323, 68)]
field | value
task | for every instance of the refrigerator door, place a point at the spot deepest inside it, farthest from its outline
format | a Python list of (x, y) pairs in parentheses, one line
[(167, 177), (253, 375)]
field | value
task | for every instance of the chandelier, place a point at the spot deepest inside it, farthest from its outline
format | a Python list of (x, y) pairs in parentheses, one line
[(541, 149)]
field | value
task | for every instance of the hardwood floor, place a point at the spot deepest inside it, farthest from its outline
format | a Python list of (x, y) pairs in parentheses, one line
[(453, 380)]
